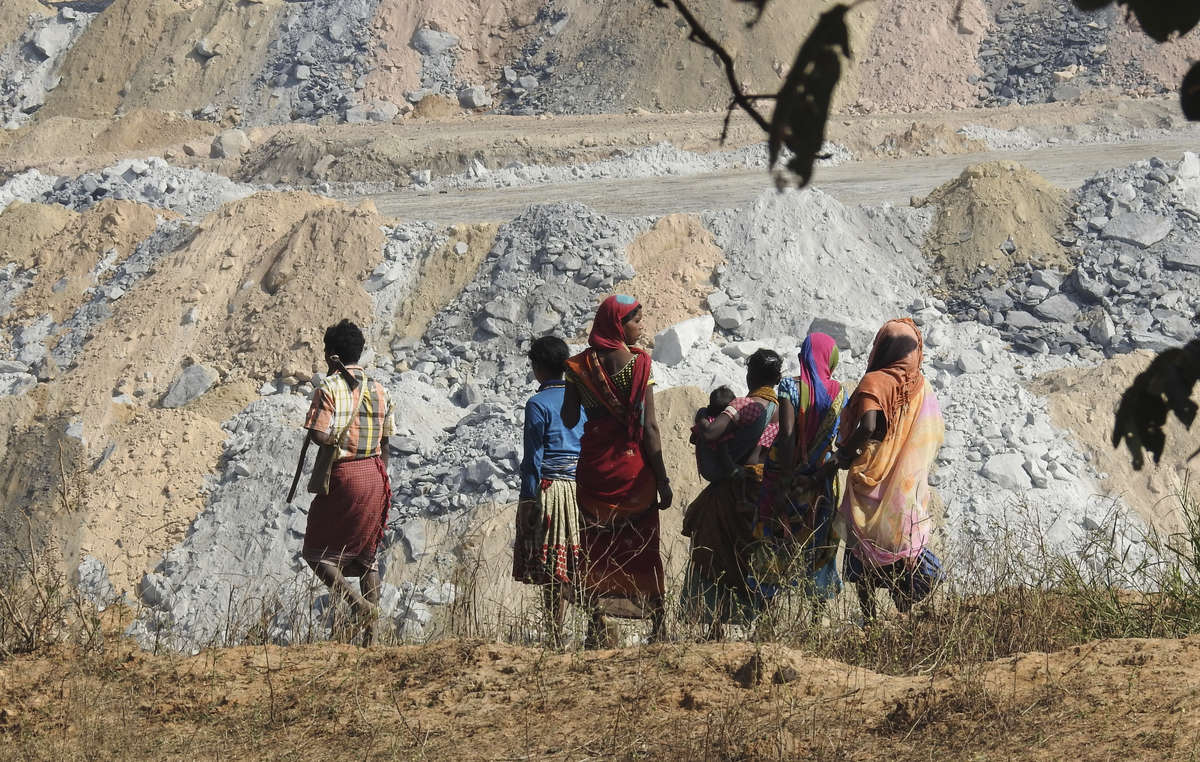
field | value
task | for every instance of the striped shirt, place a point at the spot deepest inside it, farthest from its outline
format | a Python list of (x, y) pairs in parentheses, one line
[(334, 405)]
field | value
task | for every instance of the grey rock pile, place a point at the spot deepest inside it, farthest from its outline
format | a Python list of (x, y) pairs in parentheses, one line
[(318, 62), (547, 271), (798, 256), (1136, 279), (1051, 53), (29, 66), (151, 181)]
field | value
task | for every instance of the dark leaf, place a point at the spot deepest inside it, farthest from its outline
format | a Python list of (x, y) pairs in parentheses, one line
[(802, 104), (1189, 93), (761, 5), (1162, 389), (1162, 18), (1158, 18)]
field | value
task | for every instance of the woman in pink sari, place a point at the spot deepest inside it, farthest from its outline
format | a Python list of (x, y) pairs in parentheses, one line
[(889, 435)]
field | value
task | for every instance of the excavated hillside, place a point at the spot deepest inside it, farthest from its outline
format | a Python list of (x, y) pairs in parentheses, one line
[(270, 62), (191, 191)]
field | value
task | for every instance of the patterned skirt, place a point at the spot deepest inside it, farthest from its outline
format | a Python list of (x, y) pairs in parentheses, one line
[(547, 546)]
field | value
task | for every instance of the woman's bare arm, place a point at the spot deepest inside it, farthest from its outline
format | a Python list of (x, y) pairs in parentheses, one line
[(711, 431), (570, 406), (864, 430)]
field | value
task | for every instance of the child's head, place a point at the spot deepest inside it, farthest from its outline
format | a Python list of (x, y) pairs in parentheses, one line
[(719, 400)]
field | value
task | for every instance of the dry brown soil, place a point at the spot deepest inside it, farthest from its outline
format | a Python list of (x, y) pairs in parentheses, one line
[(1084, 400), (473, 699), (674, 263)]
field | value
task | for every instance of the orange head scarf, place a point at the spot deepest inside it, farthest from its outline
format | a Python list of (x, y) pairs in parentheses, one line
[(893, 375)]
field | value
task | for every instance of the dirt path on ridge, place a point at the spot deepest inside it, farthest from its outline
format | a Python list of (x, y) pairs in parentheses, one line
[(867, 182)]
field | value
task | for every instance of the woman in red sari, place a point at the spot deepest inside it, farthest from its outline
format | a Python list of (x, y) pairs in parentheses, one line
[(621, 482)]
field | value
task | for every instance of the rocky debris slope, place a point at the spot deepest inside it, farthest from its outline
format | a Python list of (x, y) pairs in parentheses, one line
[(29, 66), (1133, 278), (318, 62), (1047, 54)]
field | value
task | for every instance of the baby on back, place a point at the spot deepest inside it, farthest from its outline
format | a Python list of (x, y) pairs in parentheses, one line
[(712, 458), (718, 400)]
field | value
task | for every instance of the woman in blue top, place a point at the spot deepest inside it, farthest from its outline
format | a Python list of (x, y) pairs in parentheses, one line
[(547, 550)]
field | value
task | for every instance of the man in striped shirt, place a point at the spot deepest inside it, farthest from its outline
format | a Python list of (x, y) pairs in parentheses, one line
[(346, 526)]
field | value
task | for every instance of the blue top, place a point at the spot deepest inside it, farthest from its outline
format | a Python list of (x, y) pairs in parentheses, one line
[(551, 449)]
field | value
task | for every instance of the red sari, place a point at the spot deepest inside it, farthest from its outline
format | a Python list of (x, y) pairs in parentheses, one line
[(615, 486)]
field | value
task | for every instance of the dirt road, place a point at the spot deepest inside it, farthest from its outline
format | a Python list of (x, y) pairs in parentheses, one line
[(868, 182)]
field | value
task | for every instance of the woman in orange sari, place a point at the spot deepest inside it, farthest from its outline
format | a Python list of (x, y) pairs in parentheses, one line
[(890, 434), (620, 480)]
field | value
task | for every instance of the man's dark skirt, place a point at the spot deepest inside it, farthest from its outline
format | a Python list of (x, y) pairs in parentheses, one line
[(346, 526)]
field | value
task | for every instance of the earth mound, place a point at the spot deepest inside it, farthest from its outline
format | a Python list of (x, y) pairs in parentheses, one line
[(991, 217)]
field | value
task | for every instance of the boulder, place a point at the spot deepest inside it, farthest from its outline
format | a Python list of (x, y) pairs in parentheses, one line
[(1048, 279), (474, 97), (728, 317), (229, 144), (193, 382), (359, 114), (971, 361), (1021, 320), (673, 344), (740, 350), (504, 309), (383, 111), (1137, 228), (1008, 471), (1103, 331), (413, 535), (1180, 258), (480, 471), (846, 334), (53, 39), (1058, 308), (431, 42)]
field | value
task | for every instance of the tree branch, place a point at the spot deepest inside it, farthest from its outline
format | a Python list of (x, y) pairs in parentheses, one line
[(701, 36)]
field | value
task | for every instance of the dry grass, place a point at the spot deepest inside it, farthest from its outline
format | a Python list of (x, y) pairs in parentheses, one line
[(1035, 666)]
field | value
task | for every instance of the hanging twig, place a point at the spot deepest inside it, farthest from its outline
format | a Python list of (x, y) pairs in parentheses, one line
[(701, 36)]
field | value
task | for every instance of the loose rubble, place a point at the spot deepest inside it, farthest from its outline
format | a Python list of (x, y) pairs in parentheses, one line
[(1134, 280), (151, 181), (318, 63)]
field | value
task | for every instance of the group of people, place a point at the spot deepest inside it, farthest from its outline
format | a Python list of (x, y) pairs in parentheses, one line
[(775, 509), (593, 480)]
